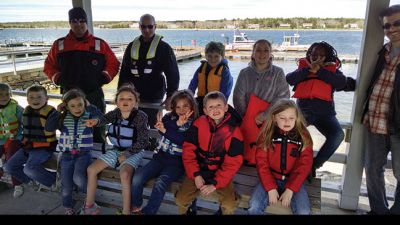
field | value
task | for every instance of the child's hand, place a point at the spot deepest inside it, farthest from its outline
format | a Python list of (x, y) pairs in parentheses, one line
[(286, 197), (199, 181), (315, 65), (91, 122), (160, 126), (207, 189), (184, 118), (60, 107), (121, 158), (273, 196), (260, 118)]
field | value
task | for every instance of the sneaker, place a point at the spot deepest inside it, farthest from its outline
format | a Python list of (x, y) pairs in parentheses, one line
[(93, 210), (69, 212), (18, 191)]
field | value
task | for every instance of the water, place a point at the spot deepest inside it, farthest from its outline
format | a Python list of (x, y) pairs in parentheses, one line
[(345, 42)]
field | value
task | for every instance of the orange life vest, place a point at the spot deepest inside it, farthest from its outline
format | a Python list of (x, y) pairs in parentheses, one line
[(313, 87), (249, 128)]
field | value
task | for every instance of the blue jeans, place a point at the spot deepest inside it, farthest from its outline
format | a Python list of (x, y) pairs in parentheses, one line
[(377, 149), (167, 169), (328, 126), (73, 171), (300, 203), (33, 170)]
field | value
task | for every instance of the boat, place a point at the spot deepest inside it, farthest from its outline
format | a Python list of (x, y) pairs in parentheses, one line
[(291, 43), (241, 42)]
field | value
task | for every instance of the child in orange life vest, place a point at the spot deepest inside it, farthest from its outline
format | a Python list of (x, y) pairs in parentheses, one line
[(212, 75), (75, 142), (129, 135), (10, 130), (166, 165), (212, 154), (284, 158), (38, 144), (315, 80)]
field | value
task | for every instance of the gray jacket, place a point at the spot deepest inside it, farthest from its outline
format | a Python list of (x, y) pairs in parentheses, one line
[(269, 85)]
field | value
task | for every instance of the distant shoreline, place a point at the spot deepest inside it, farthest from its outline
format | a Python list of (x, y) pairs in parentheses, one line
[(319, 29)]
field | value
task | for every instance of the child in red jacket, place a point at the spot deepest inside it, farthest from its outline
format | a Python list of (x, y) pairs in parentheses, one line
[(212, 154), (284, 159)]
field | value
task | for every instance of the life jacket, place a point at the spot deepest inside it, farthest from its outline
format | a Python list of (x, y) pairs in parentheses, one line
[(284, 155), (249, 128), (9, 120), (212, 147), (211, 81), (151, 53), (313, 87), (34, 122), (97, 44), (121, 133), (75, 135)]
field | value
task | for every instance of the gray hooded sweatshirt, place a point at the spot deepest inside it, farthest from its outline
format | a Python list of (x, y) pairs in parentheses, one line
[(269, 85)]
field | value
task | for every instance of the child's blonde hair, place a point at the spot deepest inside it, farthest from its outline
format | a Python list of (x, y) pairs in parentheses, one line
[(264, 139), (188, 95)]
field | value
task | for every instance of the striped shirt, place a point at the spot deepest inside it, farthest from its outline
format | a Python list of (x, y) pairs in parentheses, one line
[(379, 103)]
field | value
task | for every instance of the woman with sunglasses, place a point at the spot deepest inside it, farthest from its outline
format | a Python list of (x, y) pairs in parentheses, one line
[(145, 60)]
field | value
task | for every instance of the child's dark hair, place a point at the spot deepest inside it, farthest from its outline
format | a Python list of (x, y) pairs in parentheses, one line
[(5, 87), (331, 54), (129, 88), (214, 95), (213, 46), (188, 95), (389, 11), (36, 88), (71, 94)]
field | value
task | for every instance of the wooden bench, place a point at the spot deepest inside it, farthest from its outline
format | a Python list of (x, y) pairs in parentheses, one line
[(244, 181)]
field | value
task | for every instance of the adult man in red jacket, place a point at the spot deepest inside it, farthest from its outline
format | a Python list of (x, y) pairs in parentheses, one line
[(81, 60)]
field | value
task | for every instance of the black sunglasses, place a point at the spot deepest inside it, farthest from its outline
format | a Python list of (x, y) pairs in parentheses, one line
[(387, 26), (78, 21), (150, 26)]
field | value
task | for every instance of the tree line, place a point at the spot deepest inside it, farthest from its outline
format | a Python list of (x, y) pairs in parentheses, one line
[(263, 23)]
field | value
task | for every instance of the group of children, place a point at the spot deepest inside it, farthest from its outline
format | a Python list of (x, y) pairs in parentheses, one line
[(209, 148)]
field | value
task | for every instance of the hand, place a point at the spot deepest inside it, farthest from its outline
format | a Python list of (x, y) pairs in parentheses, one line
[(199, 181), (315, 65), (260, 118), (121, 158), (184, 118), (207, 189), (167, 103), (91, 122), (160, 126), (61, 107), (286, 197), (273, 196)]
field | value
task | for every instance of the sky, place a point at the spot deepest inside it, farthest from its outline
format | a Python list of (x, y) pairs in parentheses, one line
[(170, 10)]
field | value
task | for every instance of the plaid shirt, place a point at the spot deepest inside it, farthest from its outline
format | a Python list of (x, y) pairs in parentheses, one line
[(379, 103)]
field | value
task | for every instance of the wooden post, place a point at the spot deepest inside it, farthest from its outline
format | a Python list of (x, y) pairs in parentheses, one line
[(372, 41), (87, 6)]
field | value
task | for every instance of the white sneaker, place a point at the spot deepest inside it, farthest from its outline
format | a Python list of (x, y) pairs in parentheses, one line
[(18, 191)]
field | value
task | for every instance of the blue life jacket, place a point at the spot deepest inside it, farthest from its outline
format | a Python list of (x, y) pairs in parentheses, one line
[(121, 133), (75, 135)]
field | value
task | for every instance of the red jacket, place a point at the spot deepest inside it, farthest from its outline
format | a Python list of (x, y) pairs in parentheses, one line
[(80, 63), (213, 151), (284, 161)]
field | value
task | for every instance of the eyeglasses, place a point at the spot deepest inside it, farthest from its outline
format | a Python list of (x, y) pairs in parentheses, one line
[(150, 26), (387, 26), (78, 21)]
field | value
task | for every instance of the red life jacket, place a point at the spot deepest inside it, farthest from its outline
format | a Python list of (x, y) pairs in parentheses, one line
[(313, 87), (249, 128)]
